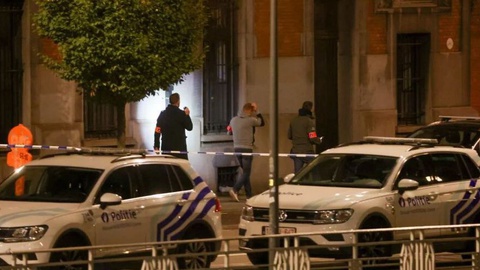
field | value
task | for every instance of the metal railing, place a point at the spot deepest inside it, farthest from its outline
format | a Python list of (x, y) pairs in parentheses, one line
[(417, 252)]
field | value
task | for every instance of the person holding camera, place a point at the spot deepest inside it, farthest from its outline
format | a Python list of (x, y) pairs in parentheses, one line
[(171, 125)]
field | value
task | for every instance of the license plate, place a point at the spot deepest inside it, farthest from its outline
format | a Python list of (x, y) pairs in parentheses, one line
[(281, 230)]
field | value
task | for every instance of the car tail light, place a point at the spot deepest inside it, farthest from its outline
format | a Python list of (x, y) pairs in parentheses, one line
[(218, 206)]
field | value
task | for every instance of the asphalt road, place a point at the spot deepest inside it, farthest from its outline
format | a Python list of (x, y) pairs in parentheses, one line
[(231, 211)]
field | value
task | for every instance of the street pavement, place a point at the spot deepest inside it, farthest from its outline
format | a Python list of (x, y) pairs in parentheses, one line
[(231, 210)]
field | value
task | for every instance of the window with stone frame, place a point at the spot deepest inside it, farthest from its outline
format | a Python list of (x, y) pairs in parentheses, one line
[(100, 120), (413, 51), (220, 68)]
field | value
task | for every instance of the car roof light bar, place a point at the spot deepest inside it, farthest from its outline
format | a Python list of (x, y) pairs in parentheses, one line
[(99, 151), (446, 118), (395, 140), (111, 151)]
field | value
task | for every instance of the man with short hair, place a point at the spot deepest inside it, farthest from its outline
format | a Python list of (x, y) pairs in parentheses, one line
[(303, 136), (243, 130), (171, 125)]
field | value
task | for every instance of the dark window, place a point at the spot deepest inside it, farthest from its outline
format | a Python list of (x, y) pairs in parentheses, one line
[(182, 181), (121, 182), (155, 179), (49, 184), (445, 134), (220, 68), (471, 167), (417, 169), (446, 168), (100, 119), (352, 170), (413, 52), (10, 66)]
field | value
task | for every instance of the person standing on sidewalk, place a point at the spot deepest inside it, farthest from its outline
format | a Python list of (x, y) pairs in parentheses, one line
[(303, 136), (171, 125), (243, 130)]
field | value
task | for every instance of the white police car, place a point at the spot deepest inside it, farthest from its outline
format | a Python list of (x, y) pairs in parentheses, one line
[(84, 199), (364, 185), (453, 130)]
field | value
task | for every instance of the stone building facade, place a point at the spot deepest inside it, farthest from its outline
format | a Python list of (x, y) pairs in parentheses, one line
[(372, 67)]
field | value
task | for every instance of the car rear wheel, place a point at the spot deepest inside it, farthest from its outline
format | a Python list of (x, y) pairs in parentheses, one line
[(193, 255)]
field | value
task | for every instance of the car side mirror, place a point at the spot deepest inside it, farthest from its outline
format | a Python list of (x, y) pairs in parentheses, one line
[(288, 177), (109, 199), (407, 184)]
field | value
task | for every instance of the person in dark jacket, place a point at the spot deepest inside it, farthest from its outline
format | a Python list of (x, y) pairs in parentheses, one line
[(303, 136), (171, 125)]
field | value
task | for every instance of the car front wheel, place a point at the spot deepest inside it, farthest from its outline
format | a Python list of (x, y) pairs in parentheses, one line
[(71, 255), (374, 252)]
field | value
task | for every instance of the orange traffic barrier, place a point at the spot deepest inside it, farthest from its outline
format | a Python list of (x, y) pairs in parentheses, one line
[(19, 156)]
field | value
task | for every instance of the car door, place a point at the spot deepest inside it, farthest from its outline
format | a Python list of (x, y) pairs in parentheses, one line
[(170, 207), (124, 223), (459, 191), (419, 207)]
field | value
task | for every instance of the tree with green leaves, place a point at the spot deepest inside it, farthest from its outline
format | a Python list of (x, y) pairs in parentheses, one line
[(121, 51)]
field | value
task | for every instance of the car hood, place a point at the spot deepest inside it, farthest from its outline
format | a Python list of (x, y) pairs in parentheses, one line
[(315, 198), (21, 214)]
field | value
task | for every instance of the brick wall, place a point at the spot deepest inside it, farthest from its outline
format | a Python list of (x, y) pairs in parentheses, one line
[(475, 57), (449, 26), (376, 30), (290, 25)]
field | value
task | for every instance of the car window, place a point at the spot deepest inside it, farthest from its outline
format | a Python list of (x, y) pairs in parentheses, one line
[(470, 138), (443, 135), (472, 170), (181, 181), (448, 135), (155, 179), (417, 168), (121, 182), (354, 170), (49, 184), (446, 168)]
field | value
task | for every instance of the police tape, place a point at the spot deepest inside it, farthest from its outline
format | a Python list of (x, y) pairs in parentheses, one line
[(132, 150)]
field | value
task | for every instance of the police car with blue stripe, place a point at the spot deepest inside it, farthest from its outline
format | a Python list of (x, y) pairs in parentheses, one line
[(379, 182), (90, 197)]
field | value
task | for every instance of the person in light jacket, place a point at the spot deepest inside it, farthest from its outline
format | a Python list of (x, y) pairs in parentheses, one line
[(242, 128)]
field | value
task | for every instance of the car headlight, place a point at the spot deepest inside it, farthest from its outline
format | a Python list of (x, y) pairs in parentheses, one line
[(247, 213), (22, 234), (332, 216)]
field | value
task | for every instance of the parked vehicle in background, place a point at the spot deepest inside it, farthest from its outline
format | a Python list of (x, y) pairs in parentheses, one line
[(455, 130), (86, 197), (375, 183)]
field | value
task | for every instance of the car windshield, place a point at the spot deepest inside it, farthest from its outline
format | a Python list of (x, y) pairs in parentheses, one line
[(348, 170), (49, 184), (466, 137)]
